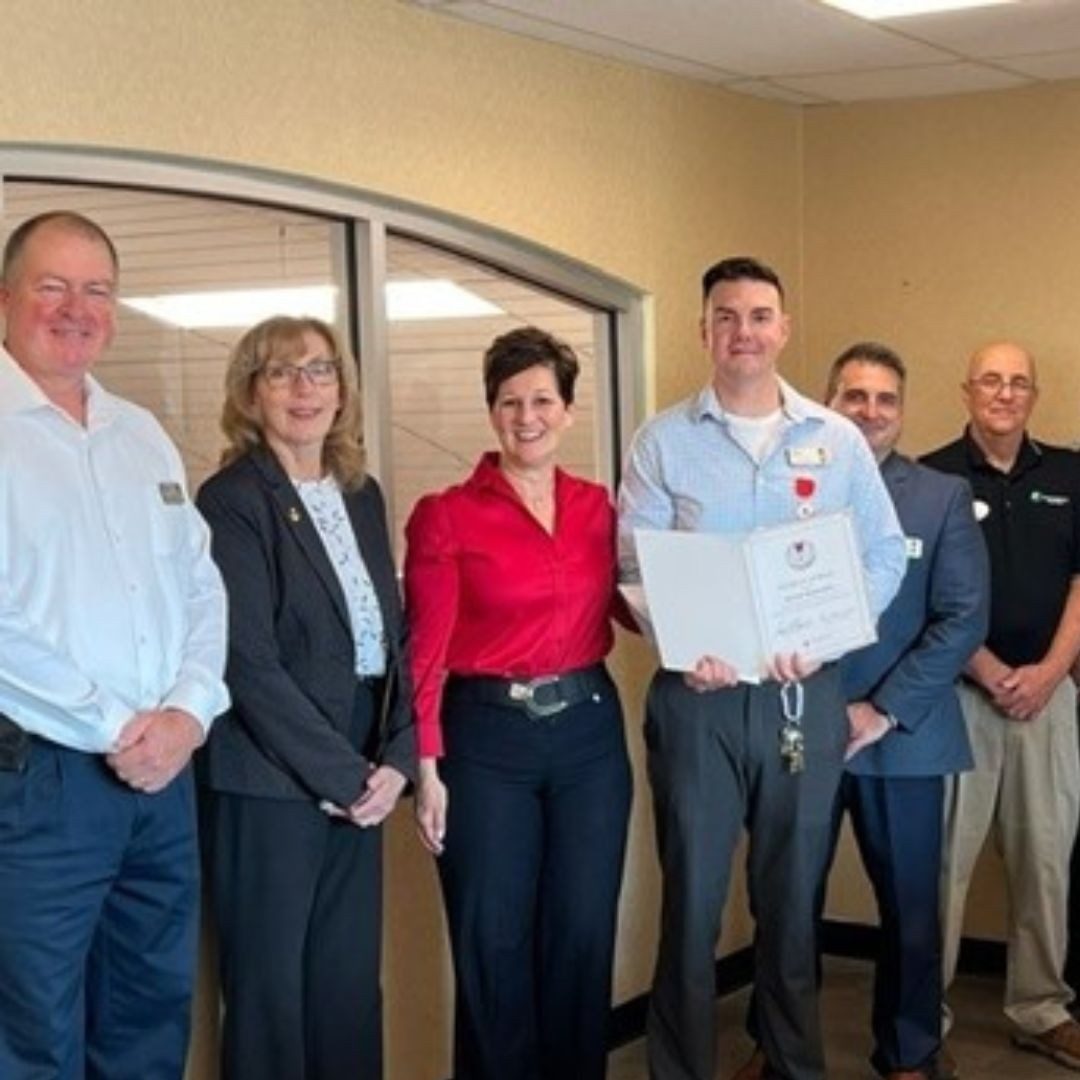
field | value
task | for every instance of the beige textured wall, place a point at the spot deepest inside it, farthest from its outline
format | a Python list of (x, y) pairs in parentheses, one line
[(935, 226), (644, 176), (941, 224)]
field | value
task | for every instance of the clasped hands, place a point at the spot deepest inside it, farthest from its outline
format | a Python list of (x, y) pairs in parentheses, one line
[(153, 747), (1021, 693), (380, 795)]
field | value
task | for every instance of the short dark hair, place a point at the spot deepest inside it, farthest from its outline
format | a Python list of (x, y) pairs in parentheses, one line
[(529, 346), (865, 352), (740, 268), (67, 219)]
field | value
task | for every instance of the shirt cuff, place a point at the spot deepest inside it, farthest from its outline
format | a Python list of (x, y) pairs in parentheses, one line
[(203, 702)]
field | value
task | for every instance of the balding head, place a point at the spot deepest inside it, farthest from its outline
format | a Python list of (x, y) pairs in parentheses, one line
[(1014, 356), (1001, 389), (62, 221)]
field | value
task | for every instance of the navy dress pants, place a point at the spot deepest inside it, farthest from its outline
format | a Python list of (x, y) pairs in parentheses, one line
[(897, 823), (98, 921), (531, 872)]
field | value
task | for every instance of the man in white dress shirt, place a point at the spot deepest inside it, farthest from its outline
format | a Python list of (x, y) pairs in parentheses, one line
[(112, 647)]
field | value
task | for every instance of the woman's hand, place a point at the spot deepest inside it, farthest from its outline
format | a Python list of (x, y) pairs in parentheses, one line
[(379, 797), (431, 806)]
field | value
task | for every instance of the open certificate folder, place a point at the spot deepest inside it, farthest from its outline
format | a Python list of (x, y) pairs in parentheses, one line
[(744, 598)]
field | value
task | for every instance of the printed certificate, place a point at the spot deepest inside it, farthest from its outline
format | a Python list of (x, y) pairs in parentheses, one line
[(797, 587)]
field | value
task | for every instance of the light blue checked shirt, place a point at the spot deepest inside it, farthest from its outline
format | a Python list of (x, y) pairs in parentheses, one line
[(686, 472)]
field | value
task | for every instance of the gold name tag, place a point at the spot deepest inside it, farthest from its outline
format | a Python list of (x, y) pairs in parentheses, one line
[(172, 494), (808, 456)]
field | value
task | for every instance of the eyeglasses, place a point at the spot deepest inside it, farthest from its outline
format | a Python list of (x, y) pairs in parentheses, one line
[(317, 372), (992, 384)]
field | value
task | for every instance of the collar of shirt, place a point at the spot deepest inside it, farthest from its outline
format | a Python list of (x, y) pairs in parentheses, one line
[(1029, 456), (488, 476), (20, 394), (796, 408)]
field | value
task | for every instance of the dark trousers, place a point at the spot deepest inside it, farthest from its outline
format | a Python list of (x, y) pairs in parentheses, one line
[(536, 834), (296, 897), (715, 767), (897, 824), (98, 922)]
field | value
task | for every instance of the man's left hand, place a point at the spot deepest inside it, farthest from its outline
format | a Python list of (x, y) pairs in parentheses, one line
[(865, 727), (154, 746)]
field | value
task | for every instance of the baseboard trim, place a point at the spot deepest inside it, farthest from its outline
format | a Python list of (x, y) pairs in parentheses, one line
[(856, 941)]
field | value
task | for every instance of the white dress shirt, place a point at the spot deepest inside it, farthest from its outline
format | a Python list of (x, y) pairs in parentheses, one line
[(109, 601)]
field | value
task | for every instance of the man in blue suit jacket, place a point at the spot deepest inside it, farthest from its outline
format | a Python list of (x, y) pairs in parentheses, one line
[(907, 731)]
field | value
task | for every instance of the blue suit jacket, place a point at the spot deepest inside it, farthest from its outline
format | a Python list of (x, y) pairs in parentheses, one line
[(926, 635)]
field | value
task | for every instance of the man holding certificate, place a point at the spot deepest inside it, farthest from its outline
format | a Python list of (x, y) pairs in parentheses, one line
[(748, 452)]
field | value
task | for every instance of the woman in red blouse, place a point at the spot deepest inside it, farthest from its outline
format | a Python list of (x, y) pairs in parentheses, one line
[(524, 785)]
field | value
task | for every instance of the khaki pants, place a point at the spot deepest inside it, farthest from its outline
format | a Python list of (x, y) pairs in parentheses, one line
[(1026, 784)]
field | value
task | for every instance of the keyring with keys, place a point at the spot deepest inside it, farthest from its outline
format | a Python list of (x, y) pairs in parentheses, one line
[(792, 743)]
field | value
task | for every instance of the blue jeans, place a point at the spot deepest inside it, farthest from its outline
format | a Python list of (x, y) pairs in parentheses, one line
[(98, 922)]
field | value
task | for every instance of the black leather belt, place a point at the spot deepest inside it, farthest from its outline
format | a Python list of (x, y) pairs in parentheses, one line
[(542, 697), (14, 746)]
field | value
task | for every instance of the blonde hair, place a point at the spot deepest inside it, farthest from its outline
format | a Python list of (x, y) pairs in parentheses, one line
[(281, 340)]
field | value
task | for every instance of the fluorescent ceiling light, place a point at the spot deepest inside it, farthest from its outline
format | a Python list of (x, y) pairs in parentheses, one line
[(897, 9), (426, 299), (433, 298), (236, 307)]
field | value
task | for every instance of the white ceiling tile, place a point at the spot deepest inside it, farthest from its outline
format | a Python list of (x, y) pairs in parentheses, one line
[(619, 48), (749, 37), (1030, 26), (960, 78), (771, 91), (1055, 65), (803, 51)]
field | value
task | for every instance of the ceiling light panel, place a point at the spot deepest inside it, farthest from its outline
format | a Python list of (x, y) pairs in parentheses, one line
[(900, 9)]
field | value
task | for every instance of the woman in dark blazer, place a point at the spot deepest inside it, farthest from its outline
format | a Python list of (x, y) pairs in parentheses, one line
[(318, 744)]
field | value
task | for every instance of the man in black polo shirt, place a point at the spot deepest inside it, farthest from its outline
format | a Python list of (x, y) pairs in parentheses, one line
[(1018, 701)]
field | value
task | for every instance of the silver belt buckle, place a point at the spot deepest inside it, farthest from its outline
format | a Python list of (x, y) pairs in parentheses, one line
[(524, 693)]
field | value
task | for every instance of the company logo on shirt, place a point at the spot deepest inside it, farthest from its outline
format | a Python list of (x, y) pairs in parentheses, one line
[(1049, 500)]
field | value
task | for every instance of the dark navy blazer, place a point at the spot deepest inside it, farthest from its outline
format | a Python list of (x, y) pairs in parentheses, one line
[(928, 632), (291, 666)]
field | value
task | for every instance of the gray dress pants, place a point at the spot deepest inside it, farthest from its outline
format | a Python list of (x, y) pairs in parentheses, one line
[(714, 765)]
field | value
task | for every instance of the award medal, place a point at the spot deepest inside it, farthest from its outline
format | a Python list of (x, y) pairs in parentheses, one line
[(805, 486)]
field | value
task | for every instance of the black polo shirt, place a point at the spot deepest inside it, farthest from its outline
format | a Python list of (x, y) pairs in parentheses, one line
[(1030, 517)]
